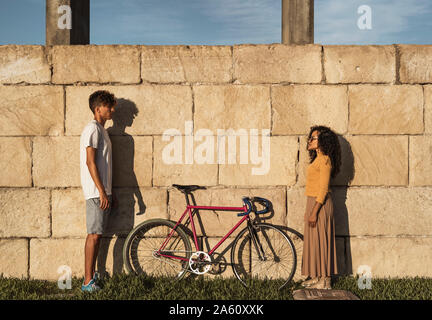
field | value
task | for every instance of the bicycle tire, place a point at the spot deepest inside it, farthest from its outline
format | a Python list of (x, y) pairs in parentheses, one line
[(278, 248), (148, 237)]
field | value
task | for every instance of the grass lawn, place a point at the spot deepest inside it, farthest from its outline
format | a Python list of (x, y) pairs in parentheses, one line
[(125, 287)]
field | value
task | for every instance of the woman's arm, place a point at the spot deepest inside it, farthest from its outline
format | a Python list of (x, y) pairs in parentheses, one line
[(314, 215)]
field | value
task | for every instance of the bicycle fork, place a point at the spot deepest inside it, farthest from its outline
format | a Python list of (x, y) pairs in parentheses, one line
[(256, 242)]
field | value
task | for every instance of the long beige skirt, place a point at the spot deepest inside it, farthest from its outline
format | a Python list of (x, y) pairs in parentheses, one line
[(319, 243)]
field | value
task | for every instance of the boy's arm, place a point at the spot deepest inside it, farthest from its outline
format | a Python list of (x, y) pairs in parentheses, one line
[(91, 164)]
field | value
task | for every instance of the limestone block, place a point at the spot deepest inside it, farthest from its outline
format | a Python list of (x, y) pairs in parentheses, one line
[(385, 211), (68, 213), (276, 167), (165, 64), (31, 110), (96, 63), (48, 255), (174, 163), (141, 110), (392, 257), (277, 63), (428, 109), (364, 64), (298, 107), (219, 223), (110, 257), (27, 64), (15, 159), (135, 205), (14, 262), (415, 63), (380, 160), (132, 161), (346, 173), (56, 162), (296, 205), (231, 106), (24, 213), (420, 160), (385, 109)]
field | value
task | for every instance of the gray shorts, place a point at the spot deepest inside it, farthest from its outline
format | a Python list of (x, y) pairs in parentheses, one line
[(96, 218)]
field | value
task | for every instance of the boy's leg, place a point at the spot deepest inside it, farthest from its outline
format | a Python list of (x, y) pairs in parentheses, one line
[(96, 220), (91, 251), (95, 256)]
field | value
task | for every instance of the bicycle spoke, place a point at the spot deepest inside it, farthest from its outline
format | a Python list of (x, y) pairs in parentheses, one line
[(144, 254), (278, 260)]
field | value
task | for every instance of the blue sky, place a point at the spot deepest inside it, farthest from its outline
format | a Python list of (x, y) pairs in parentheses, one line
[(223, 22)]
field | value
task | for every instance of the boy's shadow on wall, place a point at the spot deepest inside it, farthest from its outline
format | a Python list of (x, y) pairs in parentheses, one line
[(125, 188), (339, 187)]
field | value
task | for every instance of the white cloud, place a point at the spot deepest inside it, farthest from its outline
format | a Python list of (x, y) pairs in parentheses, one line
[(139, 21), (253, 21), (167, 21)]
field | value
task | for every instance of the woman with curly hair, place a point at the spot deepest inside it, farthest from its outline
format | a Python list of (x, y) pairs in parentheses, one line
[(319, 246)]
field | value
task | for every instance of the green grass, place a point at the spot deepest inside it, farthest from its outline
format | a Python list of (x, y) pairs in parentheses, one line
[(125, 287)]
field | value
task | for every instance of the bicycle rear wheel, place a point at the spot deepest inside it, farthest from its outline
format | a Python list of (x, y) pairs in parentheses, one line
[(278, 261), (140, 251)]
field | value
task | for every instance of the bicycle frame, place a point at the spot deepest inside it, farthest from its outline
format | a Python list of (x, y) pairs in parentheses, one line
[(189, 209)]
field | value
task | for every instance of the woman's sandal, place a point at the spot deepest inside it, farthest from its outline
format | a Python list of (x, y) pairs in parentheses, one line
[(323, 283), (310, 282)]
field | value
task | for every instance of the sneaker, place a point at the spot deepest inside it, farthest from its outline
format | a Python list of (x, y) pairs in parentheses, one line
[(96, 276), (90, 287)]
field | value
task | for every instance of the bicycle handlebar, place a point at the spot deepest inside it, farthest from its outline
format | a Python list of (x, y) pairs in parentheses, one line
[(263, 202), (250, 207), (248, 204)]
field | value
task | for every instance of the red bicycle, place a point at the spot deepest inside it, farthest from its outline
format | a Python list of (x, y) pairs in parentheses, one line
[(161, 247)]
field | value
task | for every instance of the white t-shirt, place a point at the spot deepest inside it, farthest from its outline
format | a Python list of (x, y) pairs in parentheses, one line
[(95, 135)]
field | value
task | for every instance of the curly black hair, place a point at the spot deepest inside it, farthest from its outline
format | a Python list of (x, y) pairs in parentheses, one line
[(101, 97), (329, 144)]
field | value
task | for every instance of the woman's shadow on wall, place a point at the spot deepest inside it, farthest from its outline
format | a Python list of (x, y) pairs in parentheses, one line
[(339, 187), (125, 188)]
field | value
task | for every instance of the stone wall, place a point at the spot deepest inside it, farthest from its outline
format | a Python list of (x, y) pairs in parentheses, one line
[(377, 98)]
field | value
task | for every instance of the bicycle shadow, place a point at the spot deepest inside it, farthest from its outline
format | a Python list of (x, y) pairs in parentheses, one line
[(125, 187)]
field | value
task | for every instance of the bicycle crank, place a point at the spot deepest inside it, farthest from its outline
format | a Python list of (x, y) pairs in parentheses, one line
[(200, 262)]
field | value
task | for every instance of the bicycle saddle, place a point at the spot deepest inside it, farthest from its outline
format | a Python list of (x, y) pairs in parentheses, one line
[(187, 188)]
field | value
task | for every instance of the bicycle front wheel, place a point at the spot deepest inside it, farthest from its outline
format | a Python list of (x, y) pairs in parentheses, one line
[(272, 258), (142, 251)]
